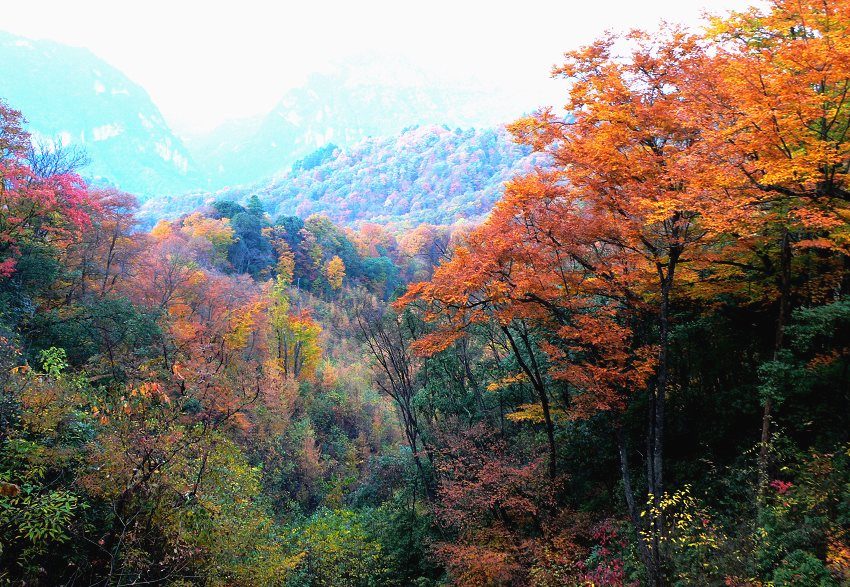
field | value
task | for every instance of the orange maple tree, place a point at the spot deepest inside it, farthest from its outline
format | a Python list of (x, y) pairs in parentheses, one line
[(774, 111)]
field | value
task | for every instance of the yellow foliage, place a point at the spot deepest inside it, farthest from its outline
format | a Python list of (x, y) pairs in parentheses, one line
[(285, 264), (532, 413), (506, 381), (217, 232), (335, 272), (162, 230)]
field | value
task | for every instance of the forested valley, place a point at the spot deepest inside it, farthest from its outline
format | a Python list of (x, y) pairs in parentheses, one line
[(635, 370)]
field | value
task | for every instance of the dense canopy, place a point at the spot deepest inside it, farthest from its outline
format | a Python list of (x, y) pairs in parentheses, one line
[(635, 370)]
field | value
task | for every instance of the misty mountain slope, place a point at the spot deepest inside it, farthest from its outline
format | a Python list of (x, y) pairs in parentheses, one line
[(394, 162), (354, 101), (70, 94), (425, 174)]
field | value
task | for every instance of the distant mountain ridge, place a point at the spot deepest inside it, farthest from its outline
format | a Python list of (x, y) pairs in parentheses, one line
[(71, 96), (376, 140), (429, 174), (353, 101)]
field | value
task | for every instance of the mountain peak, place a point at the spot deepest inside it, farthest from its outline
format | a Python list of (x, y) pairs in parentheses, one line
[(71, 97)]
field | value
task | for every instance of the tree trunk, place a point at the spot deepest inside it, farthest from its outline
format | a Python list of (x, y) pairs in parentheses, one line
[(533, 373), (646, 557), (779, 340), (655, 424)]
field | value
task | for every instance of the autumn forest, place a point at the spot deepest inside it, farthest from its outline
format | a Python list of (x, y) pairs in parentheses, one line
[(634, 370)]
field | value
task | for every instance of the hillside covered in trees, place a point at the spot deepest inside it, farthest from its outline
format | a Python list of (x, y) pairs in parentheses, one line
[(360, 98), (635, 370), (426, 174)]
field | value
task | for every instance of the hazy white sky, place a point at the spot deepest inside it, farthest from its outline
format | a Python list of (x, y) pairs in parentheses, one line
[(206, 61)]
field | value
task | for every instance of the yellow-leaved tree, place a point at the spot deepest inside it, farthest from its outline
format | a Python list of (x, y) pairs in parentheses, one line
[(335, 272)]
